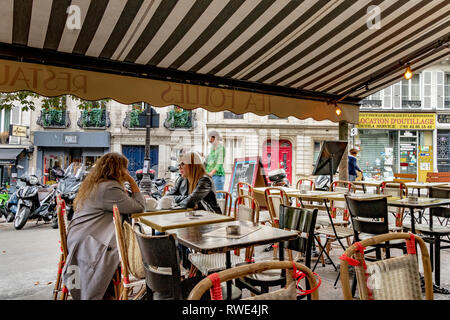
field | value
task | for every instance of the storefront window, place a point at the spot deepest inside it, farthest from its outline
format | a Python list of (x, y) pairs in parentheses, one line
[(378, 156), (408, 152)]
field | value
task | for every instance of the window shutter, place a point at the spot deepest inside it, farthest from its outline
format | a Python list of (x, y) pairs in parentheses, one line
[(397, 96), (387, 99), (15, 119), (440, 90), (427, 90)]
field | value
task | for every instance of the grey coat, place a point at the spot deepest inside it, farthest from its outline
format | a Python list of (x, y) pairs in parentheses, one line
[(93, 257)]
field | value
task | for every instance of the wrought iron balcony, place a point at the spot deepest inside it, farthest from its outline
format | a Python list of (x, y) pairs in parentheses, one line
[(137, 119), (371, 104), (54, 119), (411, 104), (96, 118), (179, 118)]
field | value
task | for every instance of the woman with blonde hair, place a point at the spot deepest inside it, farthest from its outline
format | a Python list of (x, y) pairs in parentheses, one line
[(201, 190), (93, 256)]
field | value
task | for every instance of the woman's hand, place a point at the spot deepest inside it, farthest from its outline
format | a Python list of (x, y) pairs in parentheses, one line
[(133, 184)]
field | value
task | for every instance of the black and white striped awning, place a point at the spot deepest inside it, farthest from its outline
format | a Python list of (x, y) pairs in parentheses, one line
[(320, 50)]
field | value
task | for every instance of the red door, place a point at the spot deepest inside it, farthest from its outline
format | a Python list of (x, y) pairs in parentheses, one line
[(278, 154)]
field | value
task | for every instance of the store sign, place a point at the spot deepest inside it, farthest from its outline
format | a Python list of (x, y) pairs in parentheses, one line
[(18, 131), (396, 121), (70, 139)]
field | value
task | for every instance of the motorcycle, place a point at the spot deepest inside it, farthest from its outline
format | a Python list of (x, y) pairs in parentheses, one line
[(323, 183), (35, 201), (158, 183), (278, 178), (11, 207), (4, 198), (69, 183)]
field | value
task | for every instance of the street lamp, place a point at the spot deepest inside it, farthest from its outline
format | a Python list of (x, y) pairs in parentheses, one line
[(152, 121)]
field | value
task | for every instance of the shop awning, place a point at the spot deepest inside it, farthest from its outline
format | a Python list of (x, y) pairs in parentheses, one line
[(8, 156), (283, 57)]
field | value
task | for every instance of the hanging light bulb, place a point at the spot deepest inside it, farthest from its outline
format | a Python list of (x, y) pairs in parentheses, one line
[(338, 110), (408, 73)]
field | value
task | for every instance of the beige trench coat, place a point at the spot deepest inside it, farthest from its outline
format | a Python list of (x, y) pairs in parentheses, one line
[(93, 257)]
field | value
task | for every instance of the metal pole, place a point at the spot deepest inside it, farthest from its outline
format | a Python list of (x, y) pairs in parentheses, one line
[(146, 184)]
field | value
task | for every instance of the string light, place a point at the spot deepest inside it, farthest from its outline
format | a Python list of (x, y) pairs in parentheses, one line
[(408, 73), (338, 109)]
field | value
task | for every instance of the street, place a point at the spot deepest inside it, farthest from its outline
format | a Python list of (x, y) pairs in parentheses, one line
[(28, 260)]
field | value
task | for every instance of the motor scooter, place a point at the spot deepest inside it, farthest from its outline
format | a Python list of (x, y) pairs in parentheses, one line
[(35, 201)]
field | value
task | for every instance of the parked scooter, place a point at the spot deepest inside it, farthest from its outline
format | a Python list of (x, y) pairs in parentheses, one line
[(278, 178), (11, 207), (4, 197), (69, 183), (158, 183), (35, 201), (323, 183)]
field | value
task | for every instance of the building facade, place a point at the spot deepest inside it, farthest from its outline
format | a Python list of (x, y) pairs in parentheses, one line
[(405, 128)]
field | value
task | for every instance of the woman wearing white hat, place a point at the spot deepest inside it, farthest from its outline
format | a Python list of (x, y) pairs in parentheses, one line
[(215, 160), (201, 193)]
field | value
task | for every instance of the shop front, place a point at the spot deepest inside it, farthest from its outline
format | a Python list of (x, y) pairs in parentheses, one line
[(63, 148), (392, 143), (13, 162)]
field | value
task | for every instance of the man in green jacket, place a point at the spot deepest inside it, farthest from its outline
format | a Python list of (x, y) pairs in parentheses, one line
[(215, 160)]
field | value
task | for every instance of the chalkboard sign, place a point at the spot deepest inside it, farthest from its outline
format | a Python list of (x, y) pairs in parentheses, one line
[(249, 170)]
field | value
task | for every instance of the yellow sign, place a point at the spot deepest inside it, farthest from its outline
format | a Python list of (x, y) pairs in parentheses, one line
[(425, 158), (408, 121), (19, 131)]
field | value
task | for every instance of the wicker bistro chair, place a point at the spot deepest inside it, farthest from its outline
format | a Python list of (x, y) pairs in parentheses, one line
[(225, 202), (340, 206), (432, 233), (59, 285), (163, 272), (304, 185), (274, 198), (395, 189), (396, 278), (214, 262), (244, 188), (294, 219), (213, 282), (129, 277)]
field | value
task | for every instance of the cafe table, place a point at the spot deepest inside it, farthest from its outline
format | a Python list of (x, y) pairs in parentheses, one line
[(158, 211), (420, 203), (424, 185), (163, 222), (208, 239)]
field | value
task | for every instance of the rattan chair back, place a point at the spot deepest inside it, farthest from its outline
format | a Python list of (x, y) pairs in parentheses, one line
[(225, 202), (390, 279), (274, 198), (255, 268)]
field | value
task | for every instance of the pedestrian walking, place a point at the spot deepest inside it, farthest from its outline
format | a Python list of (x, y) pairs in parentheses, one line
[(215, 161), (352, 165)]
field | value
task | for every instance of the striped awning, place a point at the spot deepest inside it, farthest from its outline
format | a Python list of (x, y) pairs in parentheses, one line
[(311, 54)]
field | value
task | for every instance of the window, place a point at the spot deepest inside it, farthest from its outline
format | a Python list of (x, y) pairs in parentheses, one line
[(411, 92), (5, 119), (447, 90), (231, 115), (316, 151)]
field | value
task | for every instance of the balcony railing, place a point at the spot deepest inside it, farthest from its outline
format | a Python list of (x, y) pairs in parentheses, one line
[(411, 104), (96, 118), (54, 118), (137, 119), (179, 119), (371, 104)]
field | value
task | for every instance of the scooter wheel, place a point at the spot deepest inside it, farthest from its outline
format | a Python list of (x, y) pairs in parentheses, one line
[(55, 222), (21, 218), (10, 217)]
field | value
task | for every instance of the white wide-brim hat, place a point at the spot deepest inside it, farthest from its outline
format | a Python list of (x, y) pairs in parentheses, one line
[(215, 134), (191, 158)]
